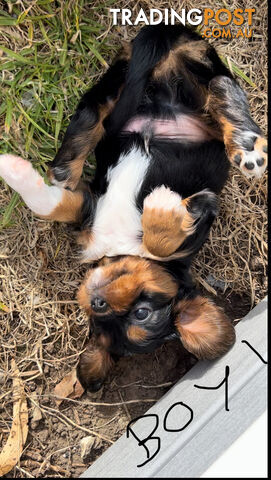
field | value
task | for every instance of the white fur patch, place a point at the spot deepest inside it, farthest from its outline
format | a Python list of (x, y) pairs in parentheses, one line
[(96, 280), (162, 198), (20, 175), (117, 222)]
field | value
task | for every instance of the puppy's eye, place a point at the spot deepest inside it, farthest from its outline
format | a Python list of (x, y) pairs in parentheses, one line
[(142, 313)]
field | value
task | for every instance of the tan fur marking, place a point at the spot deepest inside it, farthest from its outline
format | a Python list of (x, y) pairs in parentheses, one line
[(164, 231), (204, 328), (260, 143), (173, 61), (122, 281), (68, 210), (227, 129), (136, 333), (76, 168), (141, 275), (94, 363), (83, 298), (166, 66)]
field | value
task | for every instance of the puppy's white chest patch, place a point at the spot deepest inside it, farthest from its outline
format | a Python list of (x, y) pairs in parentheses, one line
[(117, 224)]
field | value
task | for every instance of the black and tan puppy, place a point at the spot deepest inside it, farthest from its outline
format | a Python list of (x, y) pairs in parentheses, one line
[(165, 121)]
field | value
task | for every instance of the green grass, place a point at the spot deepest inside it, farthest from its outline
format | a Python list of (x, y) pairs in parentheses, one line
[(50, 56)]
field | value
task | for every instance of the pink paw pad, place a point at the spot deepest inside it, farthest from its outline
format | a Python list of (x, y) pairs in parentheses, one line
[(40, 182), (16, 171), (19, 164)]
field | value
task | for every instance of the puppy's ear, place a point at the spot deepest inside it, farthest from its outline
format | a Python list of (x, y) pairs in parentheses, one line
[(203, 327)]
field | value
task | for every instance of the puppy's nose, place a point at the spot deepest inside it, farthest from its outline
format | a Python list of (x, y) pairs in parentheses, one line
[(98, 305)]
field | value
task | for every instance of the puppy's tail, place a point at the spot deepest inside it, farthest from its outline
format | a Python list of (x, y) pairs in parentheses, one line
[(149, 46)]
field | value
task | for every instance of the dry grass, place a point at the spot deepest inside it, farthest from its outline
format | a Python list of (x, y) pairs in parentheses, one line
[(42, 327)]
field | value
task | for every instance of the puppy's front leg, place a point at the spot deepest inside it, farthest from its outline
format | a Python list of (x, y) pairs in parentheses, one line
[(168, 220), (86, 128), (50, 202), (93, 367)]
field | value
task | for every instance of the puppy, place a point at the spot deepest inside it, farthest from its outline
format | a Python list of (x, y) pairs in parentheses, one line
[(166, 121)]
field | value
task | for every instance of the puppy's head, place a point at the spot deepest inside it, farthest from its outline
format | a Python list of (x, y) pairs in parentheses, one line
[(135, 305), (129, 302)]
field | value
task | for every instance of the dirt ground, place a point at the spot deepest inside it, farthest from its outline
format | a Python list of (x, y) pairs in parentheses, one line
[(44, 330)]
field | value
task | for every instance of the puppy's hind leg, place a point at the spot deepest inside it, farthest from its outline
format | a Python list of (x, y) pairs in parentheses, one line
[(50, 202), (245, 144)]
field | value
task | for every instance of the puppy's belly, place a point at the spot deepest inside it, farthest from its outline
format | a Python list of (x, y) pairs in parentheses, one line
[(117, 228), (182, 128)]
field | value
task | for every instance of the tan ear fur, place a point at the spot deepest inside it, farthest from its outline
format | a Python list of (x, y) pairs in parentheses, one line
[(204, 328)]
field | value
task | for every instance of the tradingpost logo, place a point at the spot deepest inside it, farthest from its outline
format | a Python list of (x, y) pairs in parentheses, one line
[(229, 24)]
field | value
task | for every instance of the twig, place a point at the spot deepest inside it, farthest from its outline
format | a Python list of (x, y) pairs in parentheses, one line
[(56, 302), (167, 384), (103, 404), (125, 406), (24, 472), (48, 466)]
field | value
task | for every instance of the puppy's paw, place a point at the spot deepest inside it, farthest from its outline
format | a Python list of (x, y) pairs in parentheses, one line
[(251, 160), (161, 221), (14, 170), (162, 198), (20, 175)]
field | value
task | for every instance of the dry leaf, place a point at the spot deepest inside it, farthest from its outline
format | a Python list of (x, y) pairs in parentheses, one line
[(86, 445), (14, 446), (77, 390), (69, 387)]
